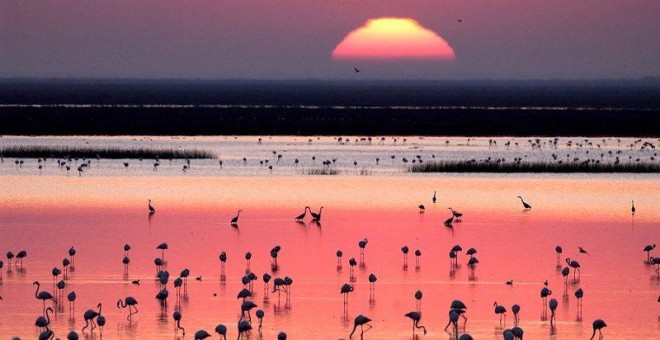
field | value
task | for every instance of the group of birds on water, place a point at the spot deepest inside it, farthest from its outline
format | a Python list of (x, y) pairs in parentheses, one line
[(579, 155), (95, 319)]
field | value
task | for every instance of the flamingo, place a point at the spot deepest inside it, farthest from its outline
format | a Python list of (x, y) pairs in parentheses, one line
[(418, 297), (525, 205), (281, 336), (89, 317), (345, 289), (201, 335), (316, 217), (453, 319), (72, 299), (129, 302), (361, 321), (234, 220), (100, 321), (222, 331), (260, 315), (456, 214), (416, 316), (405, 250), (20, 256), (501, 311), (47, 334), (43, 322), (372, 281), (163, 246), (43, 295), (245, 308), (177, 318), (243, 328), (151, 208), (352, 263), (72, 336), (449, 221), (575, 265), (578, 295), (300, 217), (648, 249), (515, 309), (553, 306), (362, 244), (72, 255), (564, 273), (559, 250), (517, 332), (598, 325), (545, 292)]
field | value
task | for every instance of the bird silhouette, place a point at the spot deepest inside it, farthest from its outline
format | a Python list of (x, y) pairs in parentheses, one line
[(260, 315), (515, 309), (345, 289), (501, 311), (421, 208), (361, 321), (434, 199), (300, 217), (234, 220), (418, 297), (243, 328), (89, 317), (43, 322), (598, 325), (316, 217), (449, 221), (525, 205), (575, 265), (648, 249), (177, 318), (579, 293), (415, 316), (456, 214), (222, 331), (151, 208), (129, 302), (356, 70), (632, 208), (582, 251), (553, 306), (201, 335), (43, 295)]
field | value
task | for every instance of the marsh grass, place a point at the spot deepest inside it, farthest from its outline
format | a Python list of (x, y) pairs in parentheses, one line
[(322, 171), (535, 167), (43, 151)]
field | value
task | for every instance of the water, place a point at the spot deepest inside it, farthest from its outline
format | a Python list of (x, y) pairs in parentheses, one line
[(46, 213)]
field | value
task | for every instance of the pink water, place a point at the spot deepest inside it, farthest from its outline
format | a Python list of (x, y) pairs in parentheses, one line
[(97, 215)]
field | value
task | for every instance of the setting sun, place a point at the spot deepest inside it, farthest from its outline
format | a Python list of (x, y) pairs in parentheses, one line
[(393, 38)]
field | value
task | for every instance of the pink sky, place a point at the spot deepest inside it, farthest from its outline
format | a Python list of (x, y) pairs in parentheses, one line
[(292, 39)]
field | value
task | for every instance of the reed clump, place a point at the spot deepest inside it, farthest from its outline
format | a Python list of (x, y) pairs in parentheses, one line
[(587, 166), (322, 171), (46, 151)]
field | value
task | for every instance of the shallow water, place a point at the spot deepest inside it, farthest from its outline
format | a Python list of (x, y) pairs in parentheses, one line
[(102, 210)]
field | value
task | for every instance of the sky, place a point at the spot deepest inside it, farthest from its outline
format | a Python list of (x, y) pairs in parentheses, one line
[(294, 39)]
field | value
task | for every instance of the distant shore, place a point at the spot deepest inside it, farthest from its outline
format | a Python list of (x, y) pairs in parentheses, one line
[(491, 108)]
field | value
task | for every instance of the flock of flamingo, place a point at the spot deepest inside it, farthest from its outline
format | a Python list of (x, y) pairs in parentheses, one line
[(94, 318)]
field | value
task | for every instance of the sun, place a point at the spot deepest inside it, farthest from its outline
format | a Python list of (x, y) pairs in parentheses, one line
[(393, 38)]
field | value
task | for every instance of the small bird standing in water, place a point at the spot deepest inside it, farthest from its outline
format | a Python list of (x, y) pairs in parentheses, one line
[(632, 209)]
